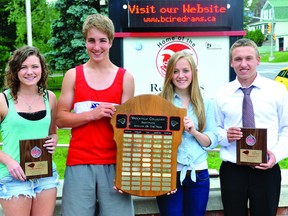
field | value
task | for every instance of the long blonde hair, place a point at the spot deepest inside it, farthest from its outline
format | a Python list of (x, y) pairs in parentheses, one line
[(194, 89)]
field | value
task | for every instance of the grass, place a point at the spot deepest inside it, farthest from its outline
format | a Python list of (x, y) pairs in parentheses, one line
[(279, 57), (214, 161), (265, 53), (54, 83), (60, 155)]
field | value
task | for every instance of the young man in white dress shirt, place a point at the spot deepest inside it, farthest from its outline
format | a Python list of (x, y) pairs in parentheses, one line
[(239, 183)]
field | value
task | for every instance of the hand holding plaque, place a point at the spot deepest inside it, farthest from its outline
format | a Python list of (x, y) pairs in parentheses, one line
[(35, 160), (252, 147)]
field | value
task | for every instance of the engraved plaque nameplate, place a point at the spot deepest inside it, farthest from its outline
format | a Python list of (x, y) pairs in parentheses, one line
[(35, 160), (147, 130), (252, 147)]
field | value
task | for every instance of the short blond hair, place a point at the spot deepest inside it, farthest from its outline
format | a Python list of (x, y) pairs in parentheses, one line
[(244, 42), (101, 22)]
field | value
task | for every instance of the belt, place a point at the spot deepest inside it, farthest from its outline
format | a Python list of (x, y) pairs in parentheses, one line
[(196, 171), (188, 173)]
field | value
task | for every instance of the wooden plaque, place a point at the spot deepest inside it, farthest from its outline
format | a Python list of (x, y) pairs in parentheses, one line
[(252, 148), (35, 159), (147, 130)]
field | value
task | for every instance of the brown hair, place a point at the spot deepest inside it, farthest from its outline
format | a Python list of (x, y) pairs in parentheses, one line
[(14, 65)]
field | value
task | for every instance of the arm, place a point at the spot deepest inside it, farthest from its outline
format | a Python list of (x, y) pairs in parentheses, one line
[(208, 137), (66, 118), (128, 87), (52, 140), (225, 136), (189, 126), (13, 166), (3, 106), (279, 151)]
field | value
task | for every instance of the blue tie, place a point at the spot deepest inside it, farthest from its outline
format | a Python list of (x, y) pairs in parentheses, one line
[(248, 119)]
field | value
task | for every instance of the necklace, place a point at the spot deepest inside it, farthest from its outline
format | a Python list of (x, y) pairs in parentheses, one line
[(31, 104)]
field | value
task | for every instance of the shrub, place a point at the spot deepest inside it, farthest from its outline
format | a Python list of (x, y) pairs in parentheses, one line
[(257, 36)]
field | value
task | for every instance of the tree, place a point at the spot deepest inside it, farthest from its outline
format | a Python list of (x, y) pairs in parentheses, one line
[(250, 8), (246, 14), (13, 31), (257, 36), (42, 14), (67, 39), (255, 4), (7, 38)]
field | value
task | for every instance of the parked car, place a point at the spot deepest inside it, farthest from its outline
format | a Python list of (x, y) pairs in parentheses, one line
[(282, 77)]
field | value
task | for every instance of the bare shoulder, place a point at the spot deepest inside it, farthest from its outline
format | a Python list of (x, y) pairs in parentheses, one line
[(128, 87), (4, 107), (70, 73), (69, 79), (51, 94), (128, 76), (67, 91), (2, 99)]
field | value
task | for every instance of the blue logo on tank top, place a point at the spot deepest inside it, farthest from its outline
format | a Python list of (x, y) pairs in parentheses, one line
[(94, 105)]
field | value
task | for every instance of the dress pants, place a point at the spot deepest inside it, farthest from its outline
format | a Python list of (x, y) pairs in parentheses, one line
[(240, 183)]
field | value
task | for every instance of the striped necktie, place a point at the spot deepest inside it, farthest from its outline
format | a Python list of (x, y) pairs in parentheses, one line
[(248, 119)]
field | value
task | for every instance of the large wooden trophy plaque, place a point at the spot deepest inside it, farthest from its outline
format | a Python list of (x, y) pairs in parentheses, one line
[(252, 147), (35, 160), (147, 130)]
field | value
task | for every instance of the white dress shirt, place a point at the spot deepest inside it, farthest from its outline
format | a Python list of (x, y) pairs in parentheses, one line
[(270, 103)]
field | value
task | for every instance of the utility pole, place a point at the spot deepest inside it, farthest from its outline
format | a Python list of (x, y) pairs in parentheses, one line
[(28, 22), (271, 28), (271, 57)]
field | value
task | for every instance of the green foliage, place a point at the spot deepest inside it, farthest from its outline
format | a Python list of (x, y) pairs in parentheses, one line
[(257, 36), (7, 38), (254, 4), (42, 15), (67, 39), (13, 31), (17, 16), (59, 22), (249, 8), (4, 50), (278, 57)]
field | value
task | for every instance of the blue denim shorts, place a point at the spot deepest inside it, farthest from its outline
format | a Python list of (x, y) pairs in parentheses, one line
[(11, 187)]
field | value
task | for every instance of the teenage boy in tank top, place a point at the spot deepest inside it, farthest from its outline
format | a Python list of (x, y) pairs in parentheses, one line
[(92, 90)]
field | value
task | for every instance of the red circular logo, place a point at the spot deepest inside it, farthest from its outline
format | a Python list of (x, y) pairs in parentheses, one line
[(168, 50)]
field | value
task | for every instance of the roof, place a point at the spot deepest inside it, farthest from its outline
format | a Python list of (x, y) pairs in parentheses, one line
[(278, 3), (280, 9)]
